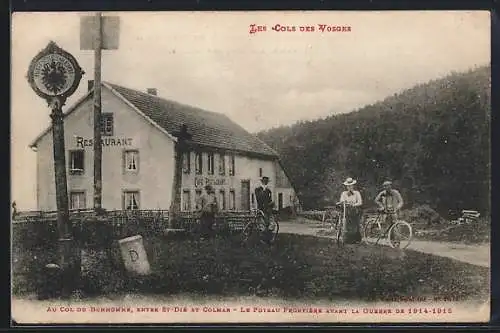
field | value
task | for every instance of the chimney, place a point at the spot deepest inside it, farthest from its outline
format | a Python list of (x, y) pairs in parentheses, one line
[(152, 91), (90, 85)]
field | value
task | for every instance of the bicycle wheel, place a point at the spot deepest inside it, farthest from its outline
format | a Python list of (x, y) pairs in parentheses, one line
[(249, 231), (329, 219), (273, 229), (372, 231), (400, 234), (340, 231), (254, 228)]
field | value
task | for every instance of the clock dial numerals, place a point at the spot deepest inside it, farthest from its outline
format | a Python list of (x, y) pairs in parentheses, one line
[(53, 74)]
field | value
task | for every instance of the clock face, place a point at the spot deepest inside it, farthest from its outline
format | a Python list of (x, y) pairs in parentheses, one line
[(54, 74)]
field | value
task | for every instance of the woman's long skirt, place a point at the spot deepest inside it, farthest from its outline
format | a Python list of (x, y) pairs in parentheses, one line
[(352, 232)]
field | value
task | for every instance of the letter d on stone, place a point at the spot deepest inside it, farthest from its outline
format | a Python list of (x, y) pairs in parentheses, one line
[(134, 255)]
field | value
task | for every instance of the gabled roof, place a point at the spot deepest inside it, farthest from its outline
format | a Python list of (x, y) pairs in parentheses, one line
[(207, 128), (210, 129)]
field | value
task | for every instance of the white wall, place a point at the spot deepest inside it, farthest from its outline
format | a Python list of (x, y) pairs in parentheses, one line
[(246, 168), (156, 159)]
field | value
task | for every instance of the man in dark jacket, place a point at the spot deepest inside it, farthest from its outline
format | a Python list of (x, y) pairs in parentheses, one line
[(264, 199), (208, 209)]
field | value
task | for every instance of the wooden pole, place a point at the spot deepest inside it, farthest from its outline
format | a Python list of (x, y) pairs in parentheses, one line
[(180, 148), (175, 205), (66, 241), (97, 116)]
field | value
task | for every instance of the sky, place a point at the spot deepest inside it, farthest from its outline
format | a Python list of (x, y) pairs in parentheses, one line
[(260, 80)]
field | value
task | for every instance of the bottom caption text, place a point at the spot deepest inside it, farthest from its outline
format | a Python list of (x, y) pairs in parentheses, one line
[(254, 309)]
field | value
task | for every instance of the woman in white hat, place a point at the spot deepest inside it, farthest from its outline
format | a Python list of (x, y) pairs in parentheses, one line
[(353, 201), (351, 196)]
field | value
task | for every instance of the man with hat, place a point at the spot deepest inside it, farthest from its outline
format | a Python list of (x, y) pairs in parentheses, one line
[(353, 201), (389, 201), (264, 198), (208, 208)]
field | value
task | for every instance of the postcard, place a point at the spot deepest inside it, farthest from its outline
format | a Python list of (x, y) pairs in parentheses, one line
[(251, 167)]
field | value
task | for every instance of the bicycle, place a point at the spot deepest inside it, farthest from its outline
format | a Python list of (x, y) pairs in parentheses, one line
[(256, 227), (340, 223), (330, 216), (399, 233)]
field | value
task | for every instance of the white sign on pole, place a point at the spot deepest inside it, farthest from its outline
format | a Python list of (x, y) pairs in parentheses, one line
[(110, 32)]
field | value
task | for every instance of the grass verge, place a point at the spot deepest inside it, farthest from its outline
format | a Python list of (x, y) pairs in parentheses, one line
[(296, 267)]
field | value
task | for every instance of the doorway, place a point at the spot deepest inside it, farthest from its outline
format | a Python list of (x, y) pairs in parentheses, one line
[(280, 201), (245, 195)]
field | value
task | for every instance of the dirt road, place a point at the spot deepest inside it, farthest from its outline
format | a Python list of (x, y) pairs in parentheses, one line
[(473, 254)]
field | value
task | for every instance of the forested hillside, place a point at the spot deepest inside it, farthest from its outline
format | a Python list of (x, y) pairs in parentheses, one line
[(432, 140)]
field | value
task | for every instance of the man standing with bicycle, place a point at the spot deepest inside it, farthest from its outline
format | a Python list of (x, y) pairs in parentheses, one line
[(208, 209), (389, 201), (264, 198)]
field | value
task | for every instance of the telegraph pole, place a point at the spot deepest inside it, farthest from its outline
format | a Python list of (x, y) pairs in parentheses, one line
[(97, 33), (97, 115)]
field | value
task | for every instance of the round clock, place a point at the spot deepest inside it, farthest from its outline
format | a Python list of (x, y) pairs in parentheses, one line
[(54, 73)]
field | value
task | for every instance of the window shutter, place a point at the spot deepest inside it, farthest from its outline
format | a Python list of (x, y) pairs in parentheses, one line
[(83, 161), (124, 166), (137, 161), (134, 203)]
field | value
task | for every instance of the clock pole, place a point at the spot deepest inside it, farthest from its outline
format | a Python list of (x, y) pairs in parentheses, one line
[(54, 75), (67, 247)]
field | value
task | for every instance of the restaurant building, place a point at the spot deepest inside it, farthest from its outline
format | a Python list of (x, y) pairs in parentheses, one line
[(139, 131)]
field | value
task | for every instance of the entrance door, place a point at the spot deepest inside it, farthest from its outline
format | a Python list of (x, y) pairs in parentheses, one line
[(280, 201), (245, 195)]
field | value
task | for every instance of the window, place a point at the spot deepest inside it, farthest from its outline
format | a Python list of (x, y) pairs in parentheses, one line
[(131, 160), (107, 124), (199, 164), (231, 165), (232, 200), (197, 199), (131, 200), (186, 162), (76, 161), (222, 164), (186, 200), (211, 163), (77, 200), (222, 200), (253, 200), (260, 172)]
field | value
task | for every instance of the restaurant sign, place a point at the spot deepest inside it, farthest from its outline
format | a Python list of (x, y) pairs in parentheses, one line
[(214, 181), (118, 142)]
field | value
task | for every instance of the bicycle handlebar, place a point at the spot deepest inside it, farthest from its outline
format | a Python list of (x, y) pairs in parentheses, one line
[(387, 211), (342, 203)]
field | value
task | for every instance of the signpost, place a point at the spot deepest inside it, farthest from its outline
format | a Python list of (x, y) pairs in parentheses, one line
[(180, 147), (98, 33), (54, 75)]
